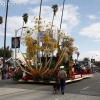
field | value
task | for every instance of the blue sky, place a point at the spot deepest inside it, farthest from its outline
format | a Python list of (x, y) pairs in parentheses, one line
[(81, 21)]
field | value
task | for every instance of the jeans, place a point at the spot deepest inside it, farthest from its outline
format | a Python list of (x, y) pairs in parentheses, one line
[(62, 82)]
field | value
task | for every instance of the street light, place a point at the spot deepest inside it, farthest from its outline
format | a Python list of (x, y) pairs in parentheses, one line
[(15, 44)]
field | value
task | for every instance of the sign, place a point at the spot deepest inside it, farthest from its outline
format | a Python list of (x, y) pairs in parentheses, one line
[(78, 76), (15, 42), (92, 60)]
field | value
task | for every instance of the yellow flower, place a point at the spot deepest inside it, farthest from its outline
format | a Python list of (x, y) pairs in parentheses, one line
[(34, 59), (46, 51), (38, 48), (39, 22), (55, 45), (58, 31), (46, 38), (36, 18)]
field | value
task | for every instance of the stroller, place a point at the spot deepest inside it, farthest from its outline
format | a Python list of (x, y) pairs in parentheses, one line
[(56, 87)]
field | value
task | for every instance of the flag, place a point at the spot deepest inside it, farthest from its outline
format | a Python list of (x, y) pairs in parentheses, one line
[(76, 51)]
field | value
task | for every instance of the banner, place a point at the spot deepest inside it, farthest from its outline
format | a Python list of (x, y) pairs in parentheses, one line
[(15, 42)]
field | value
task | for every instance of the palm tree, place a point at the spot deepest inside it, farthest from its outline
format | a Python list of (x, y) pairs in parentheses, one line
[(39, 32), (55, 9), (61, 19), (78, 55), (25, 18), (40, 10), (1, 20), (5, 36), (62, 13)]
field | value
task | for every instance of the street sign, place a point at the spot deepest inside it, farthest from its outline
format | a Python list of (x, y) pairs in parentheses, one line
[(92, 60), (15, 42)]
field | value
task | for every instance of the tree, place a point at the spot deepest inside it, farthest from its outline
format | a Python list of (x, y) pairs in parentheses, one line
[(78, 55), (5, 36), (55, 9), (62, 13), (25, 17), (1, 20), (8, 52), (40, 9), (97, 63), (86, 59)]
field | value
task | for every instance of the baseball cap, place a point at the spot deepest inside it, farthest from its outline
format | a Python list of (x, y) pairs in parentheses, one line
[(61, 66)]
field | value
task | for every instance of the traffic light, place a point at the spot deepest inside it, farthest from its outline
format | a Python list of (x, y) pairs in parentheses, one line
[(15, 42), (92, 60)]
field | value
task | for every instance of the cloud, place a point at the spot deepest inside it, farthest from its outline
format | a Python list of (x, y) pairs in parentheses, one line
[(28, 1), (92, 17), (70, 16), (13, 23), (91, 55), (92, 31), (70, 19)]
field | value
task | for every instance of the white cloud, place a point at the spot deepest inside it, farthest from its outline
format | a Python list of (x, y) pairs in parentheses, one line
[(92, 31), (92, 17), (13, 23), (70, 19), (28, 1), (91, 54), (70, 16)]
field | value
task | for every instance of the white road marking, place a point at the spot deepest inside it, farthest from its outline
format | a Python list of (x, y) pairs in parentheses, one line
[(57, 99), (85, 88)]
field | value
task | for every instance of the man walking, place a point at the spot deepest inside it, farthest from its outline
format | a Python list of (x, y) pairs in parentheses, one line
[(62, 75)]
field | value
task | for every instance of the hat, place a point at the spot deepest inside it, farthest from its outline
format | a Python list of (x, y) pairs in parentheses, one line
[(61, 67)]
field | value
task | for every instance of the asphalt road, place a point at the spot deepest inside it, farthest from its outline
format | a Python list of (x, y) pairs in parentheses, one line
[(86, 88)]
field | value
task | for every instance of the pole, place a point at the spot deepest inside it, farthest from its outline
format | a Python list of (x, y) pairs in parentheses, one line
[(5, 40), (15, 46), (21, 35), (15, 43)]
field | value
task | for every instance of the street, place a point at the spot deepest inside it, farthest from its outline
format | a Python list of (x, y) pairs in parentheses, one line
[(86, 89)]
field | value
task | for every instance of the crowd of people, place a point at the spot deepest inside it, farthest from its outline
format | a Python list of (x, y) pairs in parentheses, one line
[(7, 73)]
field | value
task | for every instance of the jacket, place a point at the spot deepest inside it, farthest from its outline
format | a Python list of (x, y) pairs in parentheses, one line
[(62, 74)]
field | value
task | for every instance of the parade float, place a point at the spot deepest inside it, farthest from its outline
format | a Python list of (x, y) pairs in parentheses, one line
[(47, 49)]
